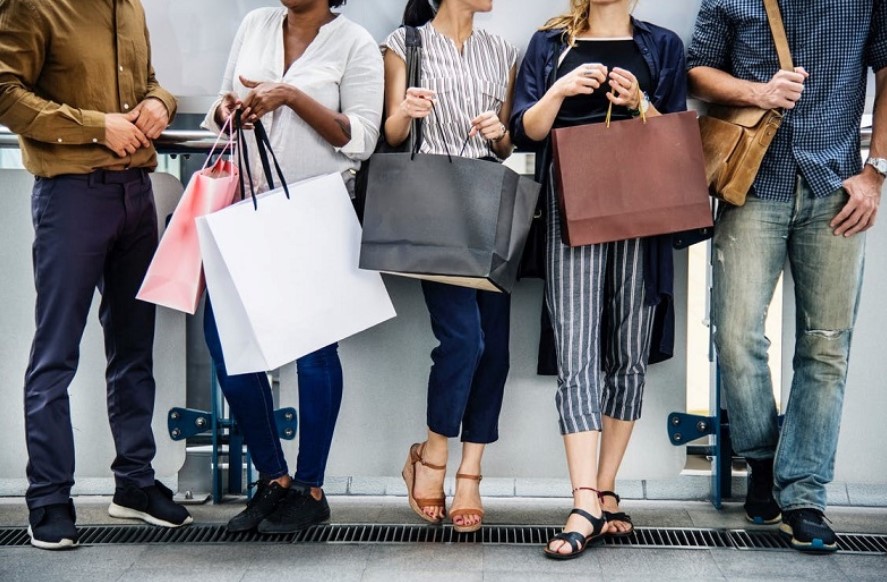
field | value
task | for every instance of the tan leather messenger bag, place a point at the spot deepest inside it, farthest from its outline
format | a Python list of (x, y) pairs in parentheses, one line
[(735, 139)]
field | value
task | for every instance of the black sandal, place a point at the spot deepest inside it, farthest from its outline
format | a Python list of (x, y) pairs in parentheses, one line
[(617, 516), (578, 541)]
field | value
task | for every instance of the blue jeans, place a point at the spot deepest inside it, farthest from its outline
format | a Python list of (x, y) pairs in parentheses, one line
[(249, 397), (467, 380), (751, 245)]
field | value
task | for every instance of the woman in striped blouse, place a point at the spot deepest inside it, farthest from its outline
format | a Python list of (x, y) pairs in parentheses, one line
[(467, 86)]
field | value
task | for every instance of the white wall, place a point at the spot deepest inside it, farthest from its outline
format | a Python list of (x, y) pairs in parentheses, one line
[(191, 38)]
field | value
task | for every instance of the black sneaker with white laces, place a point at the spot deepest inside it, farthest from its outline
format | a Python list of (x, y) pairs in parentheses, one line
[(152, 504), (267, 497), (298, 511), (807, 530), (760, 506), (51, 527)]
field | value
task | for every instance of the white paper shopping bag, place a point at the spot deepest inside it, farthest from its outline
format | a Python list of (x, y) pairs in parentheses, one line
[(284, 277)]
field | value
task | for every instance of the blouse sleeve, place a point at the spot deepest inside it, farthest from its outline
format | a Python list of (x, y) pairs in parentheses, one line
[(397, 43), (361, 96), (528, 90)]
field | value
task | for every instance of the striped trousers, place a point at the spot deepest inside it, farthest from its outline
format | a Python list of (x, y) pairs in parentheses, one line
[(602, 326)]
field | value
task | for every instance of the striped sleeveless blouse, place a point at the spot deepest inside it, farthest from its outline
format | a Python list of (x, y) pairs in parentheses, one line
[(466, 85)]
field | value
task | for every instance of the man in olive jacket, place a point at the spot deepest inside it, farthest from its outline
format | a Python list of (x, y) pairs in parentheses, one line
[(77, 86)]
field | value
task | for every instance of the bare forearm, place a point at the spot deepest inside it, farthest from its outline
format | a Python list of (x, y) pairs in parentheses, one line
[(715, 86), (397, 127), (332, 126), (878, 147), (540, 118)]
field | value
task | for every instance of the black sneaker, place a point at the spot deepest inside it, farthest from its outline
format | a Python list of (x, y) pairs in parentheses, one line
[(152, 504), (52, 527), (265, 500), (808, 531), (760, 507), (296, 512)]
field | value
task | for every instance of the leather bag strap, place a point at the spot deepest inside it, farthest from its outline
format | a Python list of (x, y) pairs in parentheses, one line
[(777, 27)]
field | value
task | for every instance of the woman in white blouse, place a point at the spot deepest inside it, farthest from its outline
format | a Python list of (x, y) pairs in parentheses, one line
[(314, 79), (467, 84)]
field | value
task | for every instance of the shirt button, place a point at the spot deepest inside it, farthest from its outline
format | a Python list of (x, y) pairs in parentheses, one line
[(60, 140), (94, 140), (126, 106), (121, 68)]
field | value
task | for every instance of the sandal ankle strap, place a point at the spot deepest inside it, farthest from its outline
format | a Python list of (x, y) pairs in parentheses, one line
[(610, 494), (599, 494), (424, 463), (477, 478)]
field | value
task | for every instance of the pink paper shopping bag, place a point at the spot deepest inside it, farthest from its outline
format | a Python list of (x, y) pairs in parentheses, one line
[(175, 276)]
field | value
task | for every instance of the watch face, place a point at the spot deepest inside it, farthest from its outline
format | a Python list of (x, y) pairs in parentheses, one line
[(880, 164)]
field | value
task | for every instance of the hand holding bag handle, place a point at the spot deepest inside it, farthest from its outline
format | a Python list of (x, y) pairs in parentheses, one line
[(736, 139)]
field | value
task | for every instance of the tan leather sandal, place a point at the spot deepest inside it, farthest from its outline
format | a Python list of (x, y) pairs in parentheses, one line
[(468, 510), (409, 476)]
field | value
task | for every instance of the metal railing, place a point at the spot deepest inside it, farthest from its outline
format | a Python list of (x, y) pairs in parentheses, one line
[(177, 141), (172, 141)]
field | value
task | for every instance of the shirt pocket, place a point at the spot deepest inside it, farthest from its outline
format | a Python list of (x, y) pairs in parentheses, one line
[(493, 95), (449, 104)]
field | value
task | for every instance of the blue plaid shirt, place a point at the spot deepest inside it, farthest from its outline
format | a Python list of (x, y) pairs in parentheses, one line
[(835, 41)]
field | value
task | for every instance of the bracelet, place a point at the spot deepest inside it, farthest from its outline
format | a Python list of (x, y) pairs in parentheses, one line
[(501, 137)]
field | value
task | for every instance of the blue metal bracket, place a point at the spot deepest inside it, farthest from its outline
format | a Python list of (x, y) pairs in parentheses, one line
[(684, 428), (287, 423), (184, 423)]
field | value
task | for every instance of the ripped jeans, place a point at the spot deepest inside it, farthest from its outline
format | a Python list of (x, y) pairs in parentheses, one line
[(751, 245)]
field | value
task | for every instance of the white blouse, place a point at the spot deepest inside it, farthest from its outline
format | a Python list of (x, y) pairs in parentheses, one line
[(341, 69)]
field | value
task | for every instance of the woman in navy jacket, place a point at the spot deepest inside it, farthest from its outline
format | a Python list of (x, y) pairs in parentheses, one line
[(610, 304)]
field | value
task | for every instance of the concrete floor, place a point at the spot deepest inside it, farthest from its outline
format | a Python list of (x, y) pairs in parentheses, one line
[(462, 562)]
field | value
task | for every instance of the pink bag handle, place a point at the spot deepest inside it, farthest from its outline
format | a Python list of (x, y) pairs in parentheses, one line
[(227, 129)]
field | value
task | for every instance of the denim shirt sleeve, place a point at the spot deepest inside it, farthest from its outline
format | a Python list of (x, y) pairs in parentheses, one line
[(876, 51), (530, 87), (712, 36)]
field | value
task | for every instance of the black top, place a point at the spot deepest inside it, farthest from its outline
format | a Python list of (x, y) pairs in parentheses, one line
[(584, 109)]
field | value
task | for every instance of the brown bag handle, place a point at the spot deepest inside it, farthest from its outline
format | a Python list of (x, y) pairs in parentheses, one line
[(777, 27)]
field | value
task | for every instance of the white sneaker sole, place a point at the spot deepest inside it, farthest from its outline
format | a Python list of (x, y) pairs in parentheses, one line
[(64, 544), (127, 513)]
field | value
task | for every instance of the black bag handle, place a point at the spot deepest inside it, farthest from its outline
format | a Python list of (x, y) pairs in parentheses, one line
[(414, 78), (263, 142), (264, 145), (243, 159)]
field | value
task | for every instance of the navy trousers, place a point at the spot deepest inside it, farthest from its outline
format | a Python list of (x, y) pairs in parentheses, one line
[(91, 231), (467, 381)]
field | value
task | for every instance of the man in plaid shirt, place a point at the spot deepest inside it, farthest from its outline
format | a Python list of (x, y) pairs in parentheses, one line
[(812, 202)]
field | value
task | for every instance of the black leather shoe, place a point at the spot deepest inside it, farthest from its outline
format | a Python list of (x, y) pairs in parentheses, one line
[(296, 512), (760, 506), (52, 527), (265, 500), (152, 504)]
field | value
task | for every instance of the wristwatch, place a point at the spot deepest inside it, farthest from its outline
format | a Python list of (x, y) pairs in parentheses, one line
[(879, 164), (643, 105)]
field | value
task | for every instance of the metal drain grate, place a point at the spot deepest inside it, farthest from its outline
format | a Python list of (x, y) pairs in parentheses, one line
[(644, 537)]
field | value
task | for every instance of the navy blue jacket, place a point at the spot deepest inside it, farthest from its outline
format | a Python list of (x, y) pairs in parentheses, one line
[(664, 53)]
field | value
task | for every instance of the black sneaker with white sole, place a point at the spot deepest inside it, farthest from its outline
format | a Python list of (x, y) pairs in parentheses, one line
[(760, 506), (152, 504), (298, 511), (807, 530), (51, 527), (267, 497)]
